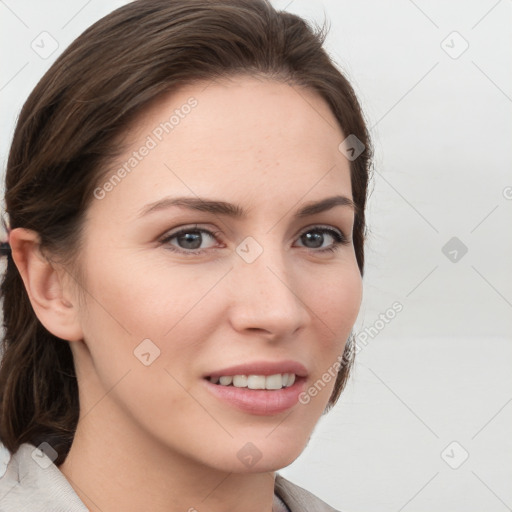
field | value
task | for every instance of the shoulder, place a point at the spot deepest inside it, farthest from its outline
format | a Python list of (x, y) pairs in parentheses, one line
[(298, 499), (31, 482)]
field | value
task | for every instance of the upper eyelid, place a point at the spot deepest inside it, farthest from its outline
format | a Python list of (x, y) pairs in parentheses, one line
[(324, 227)]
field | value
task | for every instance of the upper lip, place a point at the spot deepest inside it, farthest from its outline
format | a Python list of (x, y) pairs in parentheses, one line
[(262, 368)]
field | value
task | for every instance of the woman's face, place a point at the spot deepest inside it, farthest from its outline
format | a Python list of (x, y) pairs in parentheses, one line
[(198, 265)]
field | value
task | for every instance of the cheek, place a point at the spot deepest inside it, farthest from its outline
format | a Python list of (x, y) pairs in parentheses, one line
[(148, 299), (160, 315), (335, 299), (135, 316), (335, 304)]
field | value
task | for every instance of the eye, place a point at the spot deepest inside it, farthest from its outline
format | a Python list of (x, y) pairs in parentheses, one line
[(315, 238), (190, 240)]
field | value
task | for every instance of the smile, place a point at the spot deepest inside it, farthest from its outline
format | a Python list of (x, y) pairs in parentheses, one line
[(276, 381)]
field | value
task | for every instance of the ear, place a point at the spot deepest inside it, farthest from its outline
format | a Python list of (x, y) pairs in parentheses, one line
[(52, 301)]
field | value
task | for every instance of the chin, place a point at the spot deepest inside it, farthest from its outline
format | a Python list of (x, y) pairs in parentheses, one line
[(263, 453)]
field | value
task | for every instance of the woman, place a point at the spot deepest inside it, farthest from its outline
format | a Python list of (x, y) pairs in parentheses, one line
[(186, 194)]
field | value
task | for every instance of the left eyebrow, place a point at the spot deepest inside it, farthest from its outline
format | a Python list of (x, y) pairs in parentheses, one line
[(236, 211)]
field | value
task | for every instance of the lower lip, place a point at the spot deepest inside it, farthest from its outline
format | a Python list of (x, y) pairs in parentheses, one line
[(259, 401)]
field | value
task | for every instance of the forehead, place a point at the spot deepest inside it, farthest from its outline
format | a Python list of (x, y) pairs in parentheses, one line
[(245, 135)]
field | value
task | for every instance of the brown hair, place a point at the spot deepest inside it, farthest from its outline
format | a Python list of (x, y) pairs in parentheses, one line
[(66, 132)]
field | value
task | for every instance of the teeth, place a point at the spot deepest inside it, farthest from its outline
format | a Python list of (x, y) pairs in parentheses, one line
[(240, 381), (256, 382), (276, 381)]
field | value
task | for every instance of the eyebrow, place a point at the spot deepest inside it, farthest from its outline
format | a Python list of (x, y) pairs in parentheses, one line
[(236, 211)]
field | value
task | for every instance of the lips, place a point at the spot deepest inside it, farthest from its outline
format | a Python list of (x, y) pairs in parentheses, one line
[(261, 388)]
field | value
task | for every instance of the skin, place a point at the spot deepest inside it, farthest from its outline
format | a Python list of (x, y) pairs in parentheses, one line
[(153, 437)]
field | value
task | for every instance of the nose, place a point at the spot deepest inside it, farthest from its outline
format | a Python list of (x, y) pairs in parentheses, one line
[(267, 297)]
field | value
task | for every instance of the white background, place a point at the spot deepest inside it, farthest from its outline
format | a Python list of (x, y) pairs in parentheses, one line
[(441, 122)]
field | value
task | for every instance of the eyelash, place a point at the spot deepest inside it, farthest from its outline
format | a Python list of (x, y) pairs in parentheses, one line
[(338, 236)]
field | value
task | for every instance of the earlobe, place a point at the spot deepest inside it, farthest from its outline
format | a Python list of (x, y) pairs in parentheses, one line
[(44, 285)]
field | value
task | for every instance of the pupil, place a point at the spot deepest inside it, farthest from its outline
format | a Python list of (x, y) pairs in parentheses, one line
[(315, 237), (190, 240)]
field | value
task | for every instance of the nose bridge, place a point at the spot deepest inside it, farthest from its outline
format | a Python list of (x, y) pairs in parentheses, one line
[(265, 290)]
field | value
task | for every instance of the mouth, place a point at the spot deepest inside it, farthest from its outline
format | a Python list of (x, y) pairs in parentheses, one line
[(259, 388), (267, 382)]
